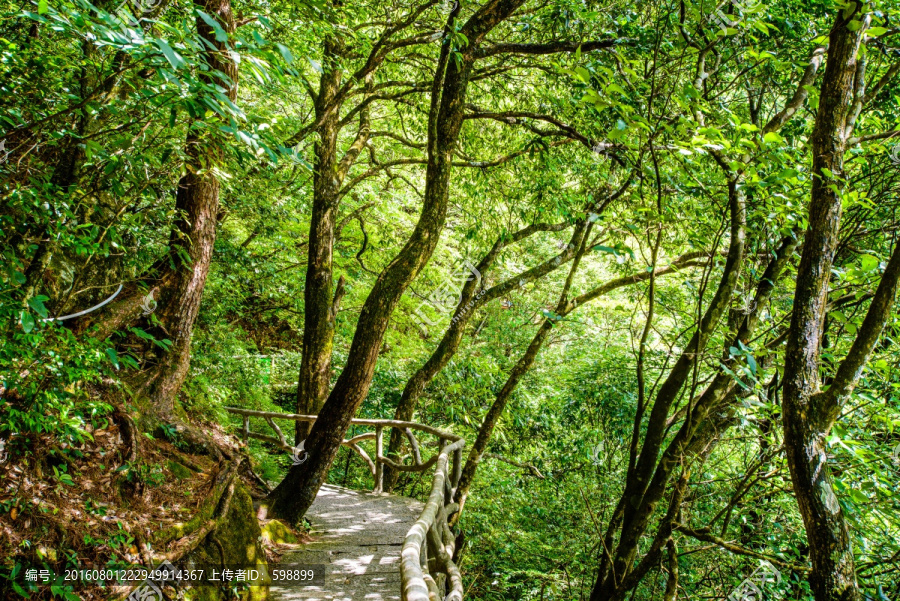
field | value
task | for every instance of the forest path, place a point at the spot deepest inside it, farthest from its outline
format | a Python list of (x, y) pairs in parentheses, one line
[(355, 553)]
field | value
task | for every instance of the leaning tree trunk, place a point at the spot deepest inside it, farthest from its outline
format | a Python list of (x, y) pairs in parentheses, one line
[(198, 200), (471, 299), (523, 365), (293, 496), (633, 512), (564, 307), (646, 482)]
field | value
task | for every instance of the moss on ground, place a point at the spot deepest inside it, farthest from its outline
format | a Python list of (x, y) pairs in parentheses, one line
[(278, 532), (235, 544)]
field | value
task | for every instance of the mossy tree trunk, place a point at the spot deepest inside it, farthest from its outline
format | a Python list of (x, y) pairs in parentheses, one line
[(809, 412), (197, 201)]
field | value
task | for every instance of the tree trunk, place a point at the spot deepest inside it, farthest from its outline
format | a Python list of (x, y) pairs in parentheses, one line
[(636, 507), (198, 200), (579, 241), (564, 307), (318, 317), (293, 496), (470, 301), (833, 576)]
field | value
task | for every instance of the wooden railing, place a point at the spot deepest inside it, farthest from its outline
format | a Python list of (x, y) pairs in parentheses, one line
[(427, 570)]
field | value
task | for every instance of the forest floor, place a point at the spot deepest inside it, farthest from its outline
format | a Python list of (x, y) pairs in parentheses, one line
[(92, 506)]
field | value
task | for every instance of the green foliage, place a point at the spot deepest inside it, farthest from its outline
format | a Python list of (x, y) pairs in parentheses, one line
[(48, 374), (117, 94)]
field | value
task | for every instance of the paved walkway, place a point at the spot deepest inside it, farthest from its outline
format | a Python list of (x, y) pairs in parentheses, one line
[(357, 538)]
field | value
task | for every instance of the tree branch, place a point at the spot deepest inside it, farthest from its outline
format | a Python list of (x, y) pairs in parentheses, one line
[(809, 76), (706, 537), (826, 405), (550, 48), (525, 466)]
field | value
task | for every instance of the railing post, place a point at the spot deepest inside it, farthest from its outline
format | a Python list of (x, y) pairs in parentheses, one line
[(379, 454), (246, 428), (457, 469)]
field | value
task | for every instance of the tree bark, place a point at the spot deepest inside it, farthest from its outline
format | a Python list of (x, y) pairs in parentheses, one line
[(564, 307), (470, 301), (634, 511), (579, 241), (318, 318)]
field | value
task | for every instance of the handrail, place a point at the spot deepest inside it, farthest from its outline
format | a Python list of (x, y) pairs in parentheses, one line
[(427, 569)]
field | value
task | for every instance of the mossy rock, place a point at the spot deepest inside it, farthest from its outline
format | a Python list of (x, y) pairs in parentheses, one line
[(275, 531), (235, 544), (179, 471)]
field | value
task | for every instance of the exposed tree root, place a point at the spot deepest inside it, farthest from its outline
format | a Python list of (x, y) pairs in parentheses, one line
[(131, 438), (189, 536)]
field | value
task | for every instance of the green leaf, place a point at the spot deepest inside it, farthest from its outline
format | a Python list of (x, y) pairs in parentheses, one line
[(173, 57), (286, 54), (876, 31), (27, 321), (858, 497), (868, 262), (129, 361), (42, 7), (37, 304), (751, 363), (141, 334), (221, 36), (113, 357)]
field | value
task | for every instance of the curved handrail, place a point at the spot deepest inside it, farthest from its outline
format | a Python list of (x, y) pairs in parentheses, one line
[(426, 560), (428, 569), (86, 311)]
